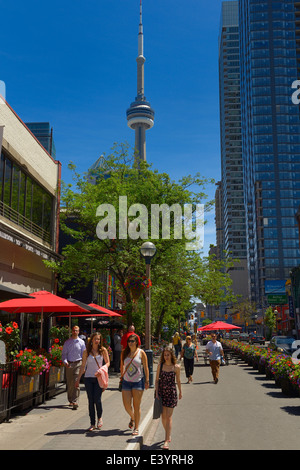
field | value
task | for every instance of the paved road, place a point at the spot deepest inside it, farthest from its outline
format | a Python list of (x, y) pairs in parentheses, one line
[(244, 411), (55, 426)]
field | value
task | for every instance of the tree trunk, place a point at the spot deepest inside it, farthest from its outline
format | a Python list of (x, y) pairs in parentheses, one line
[(160, 322)]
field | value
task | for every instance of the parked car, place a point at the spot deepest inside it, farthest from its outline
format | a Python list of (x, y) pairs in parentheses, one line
[(244, 337), (283, 344), (257, 339), (234, 335)]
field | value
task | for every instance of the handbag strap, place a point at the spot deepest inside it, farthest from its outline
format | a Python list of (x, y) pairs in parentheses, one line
[(96, 360), (129, 364)]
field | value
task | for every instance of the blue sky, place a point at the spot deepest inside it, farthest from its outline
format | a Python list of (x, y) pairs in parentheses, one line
[(73, 64)]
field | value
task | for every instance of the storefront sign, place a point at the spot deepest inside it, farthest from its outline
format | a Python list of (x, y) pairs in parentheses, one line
[(274, 299)]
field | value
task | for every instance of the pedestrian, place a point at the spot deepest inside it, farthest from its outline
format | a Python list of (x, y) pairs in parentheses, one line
[(135, 375), (130, 331), (188, 354), (72, 353), (177, 344), (215, 350), (165, 387), (117, 349), (94, 357)]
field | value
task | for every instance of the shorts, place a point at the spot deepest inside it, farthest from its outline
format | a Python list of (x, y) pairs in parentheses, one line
[(128, 386)]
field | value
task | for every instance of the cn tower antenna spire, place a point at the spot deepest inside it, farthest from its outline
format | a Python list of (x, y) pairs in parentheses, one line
[(141, 33), (140, 115)]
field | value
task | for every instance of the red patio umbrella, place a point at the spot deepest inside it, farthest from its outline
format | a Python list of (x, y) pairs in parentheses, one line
[(105, 310), (41, 302), (218, 325)]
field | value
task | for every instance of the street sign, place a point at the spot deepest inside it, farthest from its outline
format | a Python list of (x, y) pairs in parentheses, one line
[(275, 299), (275, 287)]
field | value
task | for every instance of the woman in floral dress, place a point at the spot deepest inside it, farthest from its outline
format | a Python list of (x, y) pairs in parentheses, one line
[(165, 387)]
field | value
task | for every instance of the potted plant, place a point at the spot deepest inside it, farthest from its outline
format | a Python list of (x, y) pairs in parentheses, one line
[(30, 367), (55, 355), (30, 363), (59, 334), (282, 366), (294, 377), (10, 335)]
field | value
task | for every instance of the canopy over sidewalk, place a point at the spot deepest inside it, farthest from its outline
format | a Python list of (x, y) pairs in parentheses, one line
[(219, 325), (41, 302)]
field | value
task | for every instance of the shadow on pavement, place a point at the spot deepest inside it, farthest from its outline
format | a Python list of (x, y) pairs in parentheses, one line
[(292, 410), (96, 432)]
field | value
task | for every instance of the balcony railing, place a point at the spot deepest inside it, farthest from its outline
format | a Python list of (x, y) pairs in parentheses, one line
[(14, 216)]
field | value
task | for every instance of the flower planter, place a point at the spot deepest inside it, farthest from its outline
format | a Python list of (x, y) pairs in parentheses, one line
[(268, 372), (261, 367), (56, 376), (288, 388), (249, 360), (27, 385)]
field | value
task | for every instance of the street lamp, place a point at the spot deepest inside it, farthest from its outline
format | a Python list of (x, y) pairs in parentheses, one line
[(148, 251)]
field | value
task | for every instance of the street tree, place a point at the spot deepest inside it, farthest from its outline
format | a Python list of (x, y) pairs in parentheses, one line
[(86, 255)]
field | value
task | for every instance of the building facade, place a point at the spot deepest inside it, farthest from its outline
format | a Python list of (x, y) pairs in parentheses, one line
[(29, 207), (270, 139), (230, 210)]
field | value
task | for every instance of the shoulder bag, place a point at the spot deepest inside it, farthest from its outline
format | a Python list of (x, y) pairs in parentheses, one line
[(157, 405), (121, 378)]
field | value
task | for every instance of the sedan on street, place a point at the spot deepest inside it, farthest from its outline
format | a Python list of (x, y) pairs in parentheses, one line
[(257, 339)]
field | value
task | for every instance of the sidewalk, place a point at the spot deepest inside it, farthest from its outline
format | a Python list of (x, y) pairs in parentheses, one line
[(55, 426)]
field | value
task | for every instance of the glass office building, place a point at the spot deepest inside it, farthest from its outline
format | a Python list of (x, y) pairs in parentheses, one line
[(270, 139), (44, 133), (233, 224)]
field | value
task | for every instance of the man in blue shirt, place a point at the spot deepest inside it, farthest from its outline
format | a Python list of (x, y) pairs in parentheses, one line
[(72, 357), (215, 350)]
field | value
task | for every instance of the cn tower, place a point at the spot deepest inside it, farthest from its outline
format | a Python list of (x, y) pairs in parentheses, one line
[(140, 115)]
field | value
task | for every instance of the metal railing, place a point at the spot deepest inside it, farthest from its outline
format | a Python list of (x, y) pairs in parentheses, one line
[(18, 392), (19, 219)]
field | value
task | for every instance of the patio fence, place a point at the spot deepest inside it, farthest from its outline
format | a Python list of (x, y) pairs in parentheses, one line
[(19, 392)]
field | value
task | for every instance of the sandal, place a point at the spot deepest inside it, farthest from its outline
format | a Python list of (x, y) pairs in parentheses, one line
[(135, 432), (131, 423), (166, 445), (100, 423), (91, 428)]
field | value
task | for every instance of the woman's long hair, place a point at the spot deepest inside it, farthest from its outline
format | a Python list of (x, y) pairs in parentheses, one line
[(89, 345), (170, 350), (127, 349)]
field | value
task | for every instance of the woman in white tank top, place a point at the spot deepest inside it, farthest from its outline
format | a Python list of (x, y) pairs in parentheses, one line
[(135, 373), (94, 357)]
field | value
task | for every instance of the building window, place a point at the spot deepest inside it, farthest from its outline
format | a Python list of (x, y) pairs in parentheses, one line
[(24, 201)]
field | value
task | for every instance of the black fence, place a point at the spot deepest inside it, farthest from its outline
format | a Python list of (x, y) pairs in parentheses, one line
[(19, 392)]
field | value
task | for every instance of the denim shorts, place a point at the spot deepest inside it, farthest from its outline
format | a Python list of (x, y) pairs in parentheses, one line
[(128, 386)]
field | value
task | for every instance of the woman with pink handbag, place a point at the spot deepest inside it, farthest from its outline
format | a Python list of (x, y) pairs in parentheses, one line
[(95, 364)]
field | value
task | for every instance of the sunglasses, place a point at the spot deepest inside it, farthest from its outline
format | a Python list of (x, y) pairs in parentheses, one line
[(131, 341)]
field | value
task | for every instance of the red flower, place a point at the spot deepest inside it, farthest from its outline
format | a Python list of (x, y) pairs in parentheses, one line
[(15, 325), (56, 340), (8, 330)]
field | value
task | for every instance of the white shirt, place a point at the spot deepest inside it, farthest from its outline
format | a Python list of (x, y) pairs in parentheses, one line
[(92, 366), (216, 349)]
